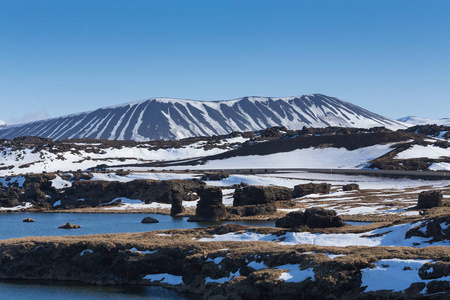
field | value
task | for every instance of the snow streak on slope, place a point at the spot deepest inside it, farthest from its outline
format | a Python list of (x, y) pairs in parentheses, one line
[(162, 118)]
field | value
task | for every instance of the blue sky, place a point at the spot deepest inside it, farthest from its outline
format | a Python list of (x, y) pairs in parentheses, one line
[(61, 57)]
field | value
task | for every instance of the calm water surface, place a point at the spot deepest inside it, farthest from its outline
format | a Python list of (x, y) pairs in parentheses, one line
[(22, 289), (12, 225), (46, 224)]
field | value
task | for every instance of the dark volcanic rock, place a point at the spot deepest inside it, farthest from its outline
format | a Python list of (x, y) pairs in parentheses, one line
[(292, 220), (252, 210), (210, 206), (310, 188), (315, 217), (351, 187), (429, 199), (147, 220), (28, 220), (69, 225), (177, 203), (253, 195), (95, 192), (9, 196), (214, 176)]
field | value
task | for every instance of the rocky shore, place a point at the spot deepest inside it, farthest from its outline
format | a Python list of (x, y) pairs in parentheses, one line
[(186, 261)]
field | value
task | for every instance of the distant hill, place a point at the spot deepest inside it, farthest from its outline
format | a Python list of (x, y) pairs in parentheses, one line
[(413, 120), (168, 119)]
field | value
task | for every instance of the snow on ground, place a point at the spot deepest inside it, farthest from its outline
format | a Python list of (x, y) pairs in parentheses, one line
[(418, 151), (440, 167), (394, 274), (44, 160), (59, 183), (364, 182), (302, 158), (136, 204), (150, 176), (388, 236), (17, 208)]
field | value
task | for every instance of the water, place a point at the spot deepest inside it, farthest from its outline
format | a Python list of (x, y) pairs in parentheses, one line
[(27, 289), (46, 224)]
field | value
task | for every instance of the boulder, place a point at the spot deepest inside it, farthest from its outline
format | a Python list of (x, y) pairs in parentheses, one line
[(69, 225), (252, 210), (254, 195), (429, 199), (28, 220), (318, 217), (210, 206), (292, 220), (148, 220), (310, 188), (315, 217), (350, 187)]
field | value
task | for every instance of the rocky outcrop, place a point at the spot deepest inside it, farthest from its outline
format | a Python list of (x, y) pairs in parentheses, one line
[(430, 199), (95, 192), (310, 188), (315, 217), (350, 187), (238, 271), (69, 225), (148, 220), (210, 206), (253, 210), (254, 195), (9, 196), (177, 203), (28, 220)]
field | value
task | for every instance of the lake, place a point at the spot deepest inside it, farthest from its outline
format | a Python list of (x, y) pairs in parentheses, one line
[(46, 224)]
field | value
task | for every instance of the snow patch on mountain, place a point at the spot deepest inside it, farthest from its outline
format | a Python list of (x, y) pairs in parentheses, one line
[(413, 120)]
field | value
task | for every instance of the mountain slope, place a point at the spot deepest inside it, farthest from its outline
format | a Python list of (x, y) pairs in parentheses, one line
[(162, 118), (413, 120)]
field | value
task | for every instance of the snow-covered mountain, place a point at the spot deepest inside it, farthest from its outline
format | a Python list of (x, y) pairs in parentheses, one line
[(2, 124), (163, 118), (413, 120)]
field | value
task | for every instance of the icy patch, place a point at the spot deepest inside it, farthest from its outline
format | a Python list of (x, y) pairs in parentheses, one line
[(333, 256), (134, 249), (223, 279), (86, 251), (165, 278), (57, 203)]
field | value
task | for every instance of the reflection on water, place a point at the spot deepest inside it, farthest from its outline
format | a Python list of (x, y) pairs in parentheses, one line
[(27, 289)]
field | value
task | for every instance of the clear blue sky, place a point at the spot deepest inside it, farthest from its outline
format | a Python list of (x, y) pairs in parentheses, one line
[(62, 56)]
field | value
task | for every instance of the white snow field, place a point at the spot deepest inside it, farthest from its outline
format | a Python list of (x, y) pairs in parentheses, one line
[(391, 236), (418, 151)]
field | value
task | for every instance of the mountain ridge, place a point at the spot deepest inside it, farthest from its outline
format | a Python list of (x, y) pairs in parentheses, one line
[(169, 118)]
